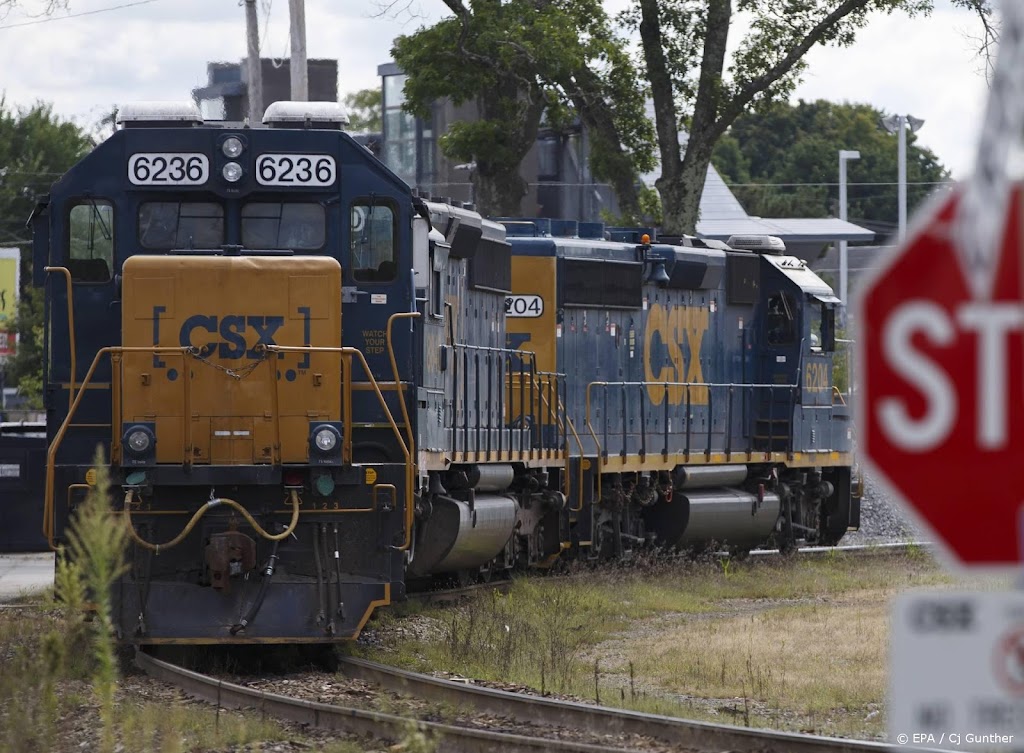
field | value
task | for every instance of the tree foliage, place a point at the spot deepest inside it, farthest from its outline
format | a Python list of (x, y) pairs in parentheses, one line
[(518, 58), (525, 63), (36, 148), (696, 85), (364, 110), (787, 155)]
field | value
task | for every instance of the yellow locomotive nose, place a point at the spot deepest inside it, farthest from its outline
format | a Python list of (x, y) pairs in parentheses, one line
[(223, 398)]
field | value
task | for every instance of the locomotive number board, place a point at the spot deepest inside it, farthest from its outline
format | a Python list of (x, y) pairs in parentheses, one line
[(526, 306), (168, 169), (296, 170)]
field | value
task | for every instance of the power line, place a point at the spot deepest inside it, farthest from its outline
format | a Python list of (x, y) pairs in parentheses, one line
[(77, 15), (849, 183)]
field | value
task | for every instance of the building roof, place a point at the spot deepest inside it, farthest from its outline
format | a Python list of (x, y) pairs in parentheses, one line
[(789, 229)]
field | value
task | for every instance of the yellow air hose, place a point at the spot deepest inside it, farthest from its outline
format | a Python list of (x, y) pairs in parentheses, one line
[(130, 495)]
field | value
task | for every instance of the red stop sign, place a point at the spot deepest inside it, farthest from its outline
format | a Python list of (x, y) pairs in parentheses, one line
[(941, 414)]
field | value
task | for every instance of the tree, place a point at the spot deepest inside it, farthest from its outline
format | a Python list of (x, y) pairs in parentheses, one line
[(694, 85), (524, 62), (364, 110), (36, 148), (787, 154), (40, 7)]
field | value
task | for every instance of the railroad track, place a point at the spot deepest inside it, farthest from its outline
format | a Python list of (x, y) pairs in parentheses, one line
[(448, 595), (597, 722)]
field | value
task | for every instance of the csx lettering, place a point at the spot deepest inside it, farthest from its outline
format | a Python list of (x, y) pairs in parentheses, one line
[(680, 331), (816, 376), (232, 331)]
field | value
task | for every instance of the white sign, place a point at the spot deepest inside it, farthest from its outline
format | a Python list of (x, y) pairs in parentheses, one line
[(168, 169), (957, 671), (528, 306), (10, 470), (295, 170)]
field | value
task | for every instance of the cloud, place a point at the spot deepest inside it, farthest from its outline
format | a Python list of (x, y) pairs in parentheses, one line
[(922, 66)]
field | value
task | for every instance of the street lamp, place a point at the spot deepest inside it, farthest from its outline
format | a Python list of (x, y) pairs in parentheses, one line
[(470, 168), (844, 155), (897, 124)]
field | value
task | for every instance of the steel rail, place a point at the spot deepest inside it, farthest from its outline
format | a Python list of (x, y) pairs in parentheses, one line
[(450, 738), (603, 720)]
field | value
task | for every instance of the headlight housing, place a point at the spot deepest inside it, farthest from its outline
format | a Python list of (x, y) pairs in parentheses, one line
[(232, 172), (325, 443), (325, 439), (232, 147), (138, 443)]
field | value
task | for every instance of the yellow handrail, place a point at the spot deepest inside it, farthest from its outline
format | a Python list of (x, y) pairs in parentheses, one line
[(130, 494), (71, 328), (51, 454), (347, 352), (406, 451), (560, 411)]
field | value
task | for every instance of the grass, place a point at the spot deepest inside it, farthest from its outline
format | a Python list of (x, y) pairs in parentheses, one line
[(177, 728), (791, 644), (59, 672)]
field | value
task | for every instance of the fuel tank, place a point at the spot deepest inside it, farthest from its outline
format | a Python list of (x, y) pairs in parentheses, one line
[(701, 476), (458, 537), (731, 517)]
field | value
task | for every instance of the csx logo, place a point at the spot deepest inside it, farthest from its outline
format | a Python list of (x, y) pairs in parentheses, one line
[(231, 336), (233, 331), (816, 376), (672, 340)]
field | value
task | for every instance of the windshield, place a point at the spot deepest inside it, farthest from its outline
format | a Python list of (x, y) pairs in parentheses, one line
[(166, 225), (293, 225)]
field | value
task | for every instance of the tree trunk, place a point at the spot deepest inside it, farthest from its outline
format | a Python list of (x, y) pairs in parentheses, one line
[(498, 187), (498, 191), (681, 189)]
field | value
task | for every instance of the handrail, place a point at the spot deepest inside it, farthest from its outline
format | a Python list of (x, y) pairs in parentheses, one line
[(51, 454), (406, 450), (71, 328), (579, 443), (665, 385), (399, 388), (48, 507)]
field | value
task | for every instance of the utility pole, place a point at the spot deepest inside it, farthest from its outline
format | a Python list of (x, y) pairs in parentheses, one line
[(898, 124), (844, 155), (300, 78), (254, 89)]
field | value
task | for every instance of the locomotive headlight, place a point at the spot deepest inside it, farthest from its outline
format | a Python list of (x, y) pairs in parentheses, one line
[(231, 147), (326, 439), (138, 441), (232, 171)]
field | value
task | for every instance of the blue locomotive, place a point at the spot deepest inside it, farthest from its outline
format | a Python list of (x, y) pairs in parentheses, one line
[(315, 387)]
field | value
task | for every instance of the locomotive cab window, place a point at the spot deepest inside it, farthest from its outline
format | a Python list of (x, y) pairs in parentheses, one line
[(814, 321), (373, 245), (167, 225), (291, 225), (780, 322), (823, 325), (91, 241)]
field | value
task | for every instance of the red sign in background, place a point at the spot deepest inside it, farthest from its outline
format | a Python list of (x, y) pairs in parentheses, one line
[(942, 377)]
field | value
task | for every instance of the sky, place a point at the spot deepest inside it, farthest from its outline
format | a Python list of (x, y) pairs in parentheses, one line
[(927, 67)]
